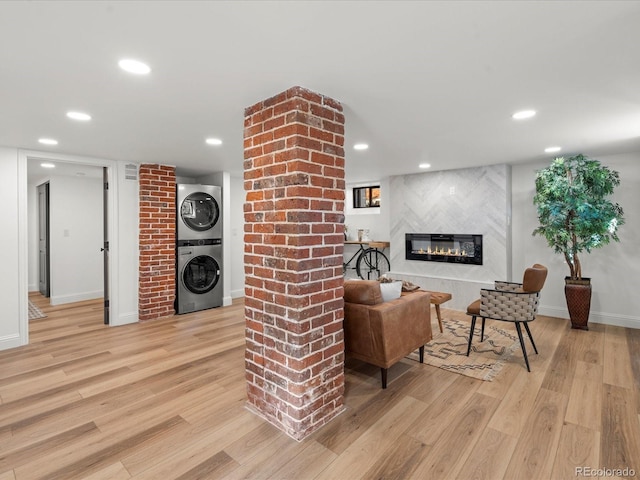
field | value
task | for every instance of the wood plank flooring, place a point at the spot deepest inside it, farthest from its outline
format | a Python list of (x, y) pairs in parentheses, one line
[(166, 400)]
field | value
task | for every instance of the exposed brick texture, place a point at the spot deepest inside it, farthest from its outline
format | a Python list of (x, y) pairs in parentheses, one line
[(294, 239), (157, 269)]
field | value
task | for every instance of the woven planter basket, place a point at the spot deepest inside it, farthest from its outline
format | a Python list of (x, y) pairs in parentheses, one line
[(578, 295)]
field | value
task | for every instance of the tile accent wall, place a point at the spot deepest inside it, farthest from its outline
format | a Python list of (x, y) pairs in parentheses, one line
[(474, 201)]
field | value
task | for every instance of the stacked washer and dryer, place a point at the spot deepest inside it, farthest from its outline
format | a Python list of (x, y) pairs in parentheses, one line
[(199, 244)]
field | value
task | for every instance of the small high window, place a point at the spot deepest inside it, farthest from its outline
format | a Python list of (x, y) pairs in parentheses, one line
[(366, 197)]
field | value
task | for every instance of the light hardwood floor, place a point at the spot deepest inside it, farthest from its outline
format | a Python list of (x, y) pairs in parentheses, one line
[(166, 400)]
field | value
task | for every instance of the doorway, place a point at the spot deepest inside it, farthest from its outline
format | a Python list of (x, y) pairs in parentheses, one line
[(67, 234)]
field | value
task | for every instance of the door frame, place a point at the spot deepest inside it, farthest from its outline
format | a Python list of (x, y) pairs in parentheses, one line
[(43, 228), (25, 156)]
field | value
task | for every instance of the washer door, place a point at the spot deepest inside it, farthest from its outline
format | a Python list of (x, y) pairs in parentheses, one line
[(201, 274), (199, 211)]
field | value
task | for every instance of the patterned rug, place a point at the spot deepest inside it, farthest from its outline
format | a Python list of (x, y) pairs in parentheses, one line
[(448, 350), (35, 312)]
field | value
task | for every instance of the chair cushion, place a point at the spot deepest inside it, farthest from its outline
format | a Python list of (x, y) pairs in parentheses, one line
[(534, 278), (474, 308), (364, 292)]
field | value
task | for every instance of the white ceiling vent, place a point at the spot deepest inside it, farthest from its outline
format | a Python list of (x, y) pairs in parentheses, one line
[(131, 172)]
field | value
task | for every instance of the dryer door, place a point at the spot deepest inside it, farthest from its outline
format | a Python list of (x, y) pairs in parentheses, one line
[(201, 274), (200, 211)]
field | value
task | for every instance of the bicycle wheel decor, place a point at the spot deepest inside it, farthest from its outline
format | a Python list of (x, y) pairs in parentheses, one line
[(371, 264)]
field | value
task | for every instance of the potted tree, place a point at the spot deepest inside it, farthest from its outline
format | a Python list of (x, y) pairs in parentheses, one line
[(575, 216)]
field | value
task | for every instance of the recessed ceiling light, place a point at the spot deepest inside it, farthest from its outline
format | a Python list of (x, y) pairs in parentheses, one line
[(523, 114), (48, 141), (47, 165), (134, 66), (425, 165), (552, 149), (360, 146), (213, 141), (84, 117)]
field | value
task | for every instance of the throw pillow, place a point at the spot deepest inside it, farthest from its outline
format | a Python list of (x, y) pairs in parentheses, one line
[(409, 287), (390, 291)]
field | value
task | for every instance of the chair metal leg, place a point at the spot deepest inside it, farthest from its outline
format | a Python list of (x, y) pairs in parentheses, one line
[(482, 330), (473, 326), (421, 350), (526, 326), (383, 371), (524, 350)]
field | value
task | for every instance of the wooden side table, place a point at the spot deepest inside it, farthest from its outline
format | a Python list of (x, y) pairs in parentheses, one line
[(437, 299)]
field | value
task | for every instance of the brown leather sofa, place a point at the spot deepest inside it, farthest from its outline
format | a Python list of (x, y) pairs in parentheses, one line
[(382, 333)]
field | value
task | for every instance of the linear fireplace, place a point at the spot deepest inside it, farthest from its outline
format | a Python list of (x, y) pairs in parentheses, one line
[(438, 247)]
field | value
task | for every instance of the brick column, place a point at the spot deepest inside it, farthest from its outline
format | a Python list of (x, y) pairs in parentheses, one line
[(294, 224), (157, 271)]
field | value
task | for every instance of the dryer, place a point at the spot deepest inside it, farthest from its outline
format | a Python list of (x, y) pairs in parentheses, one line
[(199, 213), (199, 272)]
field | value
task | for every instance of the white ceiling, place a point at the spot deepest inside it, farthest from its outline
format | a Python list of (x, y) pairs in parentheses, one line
[(419, 81)]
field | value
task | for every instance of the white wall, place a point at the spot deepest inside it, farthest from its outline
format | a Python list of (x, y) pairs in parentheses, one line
[(125, 238), (614, 269), (12, 299), (236, 211), (374, 219), (76, 236)]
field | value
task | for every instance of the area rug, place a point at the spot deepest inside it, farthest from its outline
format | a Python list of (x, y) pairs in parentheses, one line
[(35, 312), (448, 350)]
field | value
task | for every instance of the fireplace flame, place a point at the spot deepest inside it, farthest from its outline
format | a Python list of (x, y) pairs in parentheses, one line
[(441, 251), (450, 248)]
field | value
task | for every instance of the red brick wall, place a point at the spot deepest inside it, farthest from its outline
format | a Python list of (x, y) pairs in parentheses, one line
[(157, 271), (294, 214)]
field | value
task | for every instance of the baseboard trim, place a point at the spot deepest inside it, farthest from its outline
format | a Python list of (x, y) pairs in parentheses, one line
[(76, 297), (125, 319), (594, 317), (11, 341)]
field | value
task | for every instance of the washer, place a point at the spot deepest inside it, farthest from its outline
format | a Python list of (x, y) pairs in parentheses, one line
[(199, 212), (199, 282)]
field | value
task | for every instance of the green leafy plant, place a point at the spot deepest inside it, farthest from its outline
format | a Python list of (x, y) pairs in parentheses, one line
[(574, 211)]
